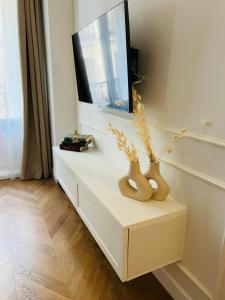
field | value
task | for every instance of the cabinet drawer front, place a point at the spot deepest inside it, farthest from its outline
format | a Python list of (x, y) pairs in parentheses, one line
[(66, 178), (155, 246), (109, 235)]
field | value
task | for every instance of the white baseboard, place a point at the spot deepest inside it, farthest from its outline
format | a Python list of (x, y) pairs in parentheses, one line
[(180, 285), (173, 288)]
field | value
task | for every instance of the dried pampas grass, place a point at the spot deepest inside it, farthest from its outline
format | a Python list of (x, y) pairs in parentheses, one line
[(123, 144), (141, 125)]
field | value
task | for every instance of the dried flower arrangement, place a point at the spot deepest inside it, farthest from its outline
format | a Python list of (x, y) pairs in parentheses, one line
[(145, 190), (123, 144), (178, 136), (141, 125)]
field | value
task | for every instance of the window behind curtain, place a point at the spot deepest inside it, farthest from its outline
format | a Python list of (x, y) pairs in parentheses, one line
[(11, 107), (3, 80)]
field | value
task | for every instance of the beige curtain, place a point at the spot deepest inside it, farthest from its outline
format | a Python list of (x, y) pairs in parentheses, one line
[(37, 147)]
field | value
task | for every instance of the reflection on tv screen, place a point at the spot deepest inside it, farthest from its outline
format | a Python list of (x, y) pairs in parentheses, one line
[(100, 52)]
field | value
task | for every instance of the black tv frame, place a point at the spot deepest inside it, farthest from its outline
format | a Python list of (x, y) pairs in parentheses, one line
[(129, 69), (131, 58)]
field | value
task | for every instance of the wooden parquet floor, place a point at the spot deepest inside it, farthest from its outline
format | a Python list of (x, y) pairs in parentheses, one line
[(47, 253)]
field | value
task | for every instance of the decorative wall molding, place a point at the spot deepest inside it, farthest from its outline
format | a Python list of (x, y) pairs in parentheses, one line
[(203, 176), (195, 136), (123, 115)]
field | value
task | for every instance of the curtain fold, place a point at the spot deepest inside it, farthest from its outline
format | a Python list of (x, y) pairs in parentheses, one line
[(37, 162)]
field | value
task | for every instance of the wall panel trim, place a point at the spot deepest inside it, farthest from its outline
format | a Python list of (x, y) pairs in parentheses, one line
[(122, 115), (203, 176), (195, 136)]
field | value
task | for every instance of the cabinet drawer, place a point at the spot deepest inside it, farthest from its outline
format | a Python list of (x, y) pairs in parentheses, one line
[(108, 233), (155, 245), (66, 178)]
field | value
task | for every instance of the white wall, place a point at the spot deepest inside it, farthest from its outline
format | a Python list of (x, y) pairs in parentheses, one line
[(182, 46), (58, 20)]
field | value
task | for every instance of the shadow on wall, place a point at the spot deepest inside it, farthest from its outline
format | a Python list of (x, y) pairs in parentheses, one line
[(151, 26)]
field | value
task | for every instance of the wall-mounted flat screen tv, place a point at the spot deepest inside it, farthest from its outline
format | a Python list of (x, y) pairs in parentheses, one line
[(103, 60)]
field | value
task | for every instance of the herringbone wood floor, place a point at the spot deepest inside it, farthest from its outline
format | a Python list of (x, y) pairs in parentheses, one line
[(47, 253)]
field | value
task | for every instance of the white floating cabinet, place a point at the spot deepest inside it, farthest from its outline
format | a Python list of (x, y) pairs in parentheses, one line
[(136, 237)]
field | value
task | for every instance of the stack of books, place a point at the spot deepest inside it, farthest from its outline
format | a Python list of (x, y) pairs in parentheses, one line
[(76, 142)]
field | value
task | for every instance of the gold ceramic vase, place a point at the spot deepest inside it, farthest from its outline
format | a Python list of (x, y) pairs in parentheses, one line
[(162, 190), (143, 190)]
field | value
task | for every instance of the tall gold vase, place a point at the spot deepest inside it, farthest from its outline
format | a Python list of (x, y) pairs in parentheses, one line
[(143, 190), (163, 189)]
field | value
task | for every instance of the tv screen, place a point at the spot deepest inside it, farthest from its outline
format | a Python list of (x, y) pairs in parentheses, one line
[(102, 60)]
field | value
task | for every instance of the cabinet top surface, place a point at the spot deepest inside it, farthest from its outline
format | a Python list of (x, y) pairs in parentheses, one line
[(101, 178)]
